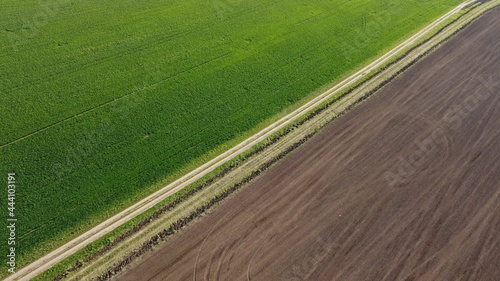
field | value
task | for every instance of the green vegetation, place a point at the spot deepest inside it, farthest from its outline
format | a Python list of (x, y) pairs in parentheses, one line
[(114, 97)]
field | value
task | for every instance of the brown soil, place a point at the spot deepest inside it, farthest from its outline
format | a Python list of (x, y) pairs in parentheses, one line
[(404, 187)]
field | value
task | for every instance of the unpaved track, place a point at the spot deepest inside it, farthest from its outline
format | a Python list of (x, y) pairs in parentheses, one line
[(34, 269), (327, 212)]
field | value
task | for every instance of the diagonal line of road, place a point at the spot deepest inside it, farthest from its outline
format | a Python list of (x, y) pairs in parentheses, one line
[(34, 269)]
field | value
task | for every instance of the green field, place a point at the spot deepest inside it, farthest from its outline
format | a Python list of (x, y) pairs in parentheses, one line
[(101, 100)]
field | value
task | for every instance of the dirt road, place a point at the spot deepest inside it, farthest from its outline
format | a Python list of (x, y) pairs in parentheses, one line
[(34, 269), (404, 187)]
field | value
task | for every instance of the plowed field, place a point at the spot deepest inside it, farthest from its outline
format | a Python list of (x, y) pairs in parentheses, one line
[(404, 187)]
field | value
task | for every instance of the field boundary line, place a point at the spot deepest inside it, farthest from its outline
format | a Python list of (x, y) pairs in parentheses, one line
[(346, 101), (145, 204)]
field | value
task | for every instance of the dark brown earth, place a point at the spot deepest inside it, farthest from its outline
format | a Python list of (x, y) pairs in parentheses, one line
[(404, 187)]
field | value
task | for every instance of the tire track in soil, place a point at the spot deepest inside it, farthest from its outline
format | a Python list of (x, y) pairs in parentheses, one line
[(427, 230)]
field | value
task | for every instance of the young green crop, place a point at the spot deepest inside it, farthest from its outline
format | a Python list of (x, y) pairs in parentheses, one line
[(100, 100)]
